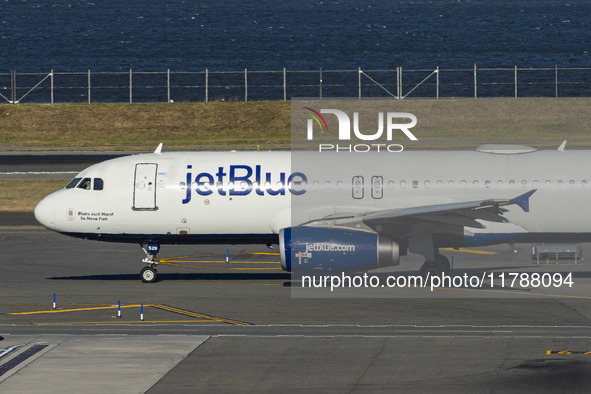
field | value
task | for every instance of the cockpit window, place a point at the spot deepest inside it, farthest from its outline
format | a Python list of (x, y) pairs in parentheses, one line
[(98, 184), (85, 184), (73, 183)]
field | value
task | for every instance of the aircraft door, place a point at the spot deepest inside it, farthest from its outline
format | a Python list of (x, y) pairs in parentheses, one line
[(144, 189)]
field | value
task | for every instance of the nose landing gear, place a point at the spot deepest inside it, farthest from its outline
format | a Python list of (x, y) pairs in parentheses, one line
[(149, 274)]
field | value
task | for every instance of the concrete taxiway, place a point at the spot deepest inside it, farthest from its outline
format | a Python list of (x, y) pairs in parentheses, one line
[(50, 165), (213, 326)]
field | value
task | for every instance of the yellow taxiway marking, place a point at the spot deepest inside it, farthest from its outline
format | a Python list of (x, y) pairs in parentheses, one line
[(223, 254), (569, 352), (201, 316), (237, 284), (463, 250), (122, 322), (73, 310), (222, 268), (61, 304), (186, 261)]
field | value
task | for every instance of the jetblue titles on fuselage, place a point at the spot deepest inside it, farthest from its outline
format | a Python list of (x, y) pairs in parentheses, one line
[(241, 180)]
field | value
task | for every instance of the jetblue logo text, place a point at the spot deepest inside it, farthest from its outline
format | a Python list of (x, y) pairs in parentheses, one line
[(393, 121), (242, 180)]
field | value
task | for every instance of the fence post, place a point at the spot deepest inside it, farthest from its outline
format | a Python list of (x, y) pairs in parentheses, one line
[(168, 85), (284, 85), (13, 87), (320, 83), (245, 85), (400, 85), (437, 94), (206, 85), (397, 83), (130, 87), (359, 81), (515, 81), (51, 79), (475, 84), (556, 81), (88, 86)]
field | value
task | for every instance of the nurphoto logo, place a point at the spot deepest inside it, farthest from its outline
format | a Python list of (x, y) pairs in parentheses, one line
[(353, 127)]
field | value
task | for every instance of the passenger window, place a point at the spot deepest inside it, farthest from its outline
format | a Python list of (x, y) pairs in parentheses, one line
[(98, 184), (73, 183), (85, 184)]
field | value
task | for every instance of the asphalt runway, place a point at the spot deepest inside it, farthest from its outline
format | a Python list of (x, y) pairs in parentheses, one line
[(212, 326), (245, 325), (50, 165)]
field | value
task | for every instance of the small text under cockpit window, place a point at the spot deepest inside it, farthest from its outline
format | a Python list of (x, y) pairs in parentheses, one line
[(73, 183)]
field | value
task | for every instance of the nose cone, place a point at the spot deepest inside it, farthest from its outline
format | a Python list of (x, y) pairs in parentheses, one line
[(45, 212)]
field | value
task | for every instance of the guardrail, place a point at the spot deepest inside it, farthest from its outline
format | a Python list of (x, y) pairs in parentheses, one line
[(169, 86)]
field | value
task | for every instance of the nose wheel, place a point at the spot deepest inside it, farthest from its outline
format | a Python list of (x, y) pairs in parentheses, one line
[(149, 274)]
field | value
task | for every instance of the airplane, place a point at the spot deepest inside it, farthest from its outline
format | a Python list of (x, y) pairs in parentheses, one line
[(330, 211)]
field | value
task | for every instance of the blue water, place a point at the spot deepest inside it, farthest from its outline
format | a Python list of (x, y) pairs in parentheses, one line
[(183, 35)]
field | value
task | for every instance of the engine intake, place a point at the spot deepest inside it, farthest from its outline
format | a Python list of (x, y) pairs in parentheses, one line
[(325, 248)]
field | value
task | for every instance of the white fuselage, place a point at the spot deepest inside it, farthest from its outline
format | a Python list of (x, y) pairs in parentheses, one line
[(247, 197)]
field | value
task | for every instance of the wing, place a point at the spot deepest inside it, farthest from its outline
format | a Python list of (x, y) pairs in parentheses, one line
[(446, 218)]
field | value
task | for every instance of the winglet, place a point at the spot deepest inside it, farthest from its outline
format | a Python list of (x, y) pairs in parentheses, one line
[(562, 146), (523, 200), (159, 149)]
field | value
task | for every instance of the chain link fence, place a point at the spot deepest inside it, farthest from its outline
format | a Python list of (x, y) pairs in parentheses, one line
[(244, 85)]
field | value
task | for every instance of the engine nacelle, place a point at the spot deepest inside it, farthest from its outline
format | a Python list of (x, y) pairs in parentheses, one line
[(335, 249)]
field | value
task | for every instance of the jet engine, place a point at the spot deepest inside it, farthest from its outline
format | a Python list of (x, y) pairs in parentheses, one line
[(335, 249)]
